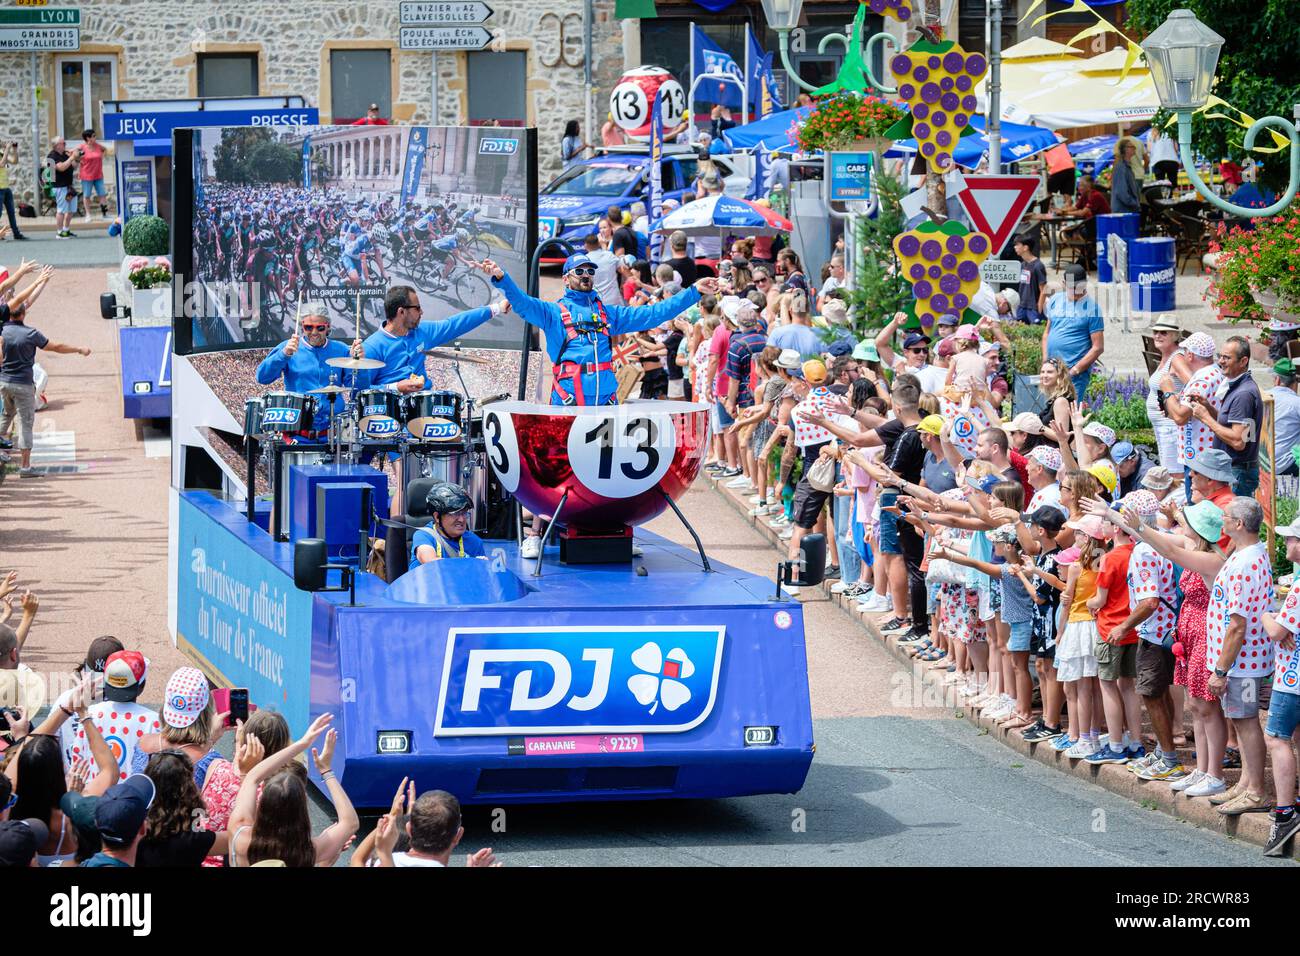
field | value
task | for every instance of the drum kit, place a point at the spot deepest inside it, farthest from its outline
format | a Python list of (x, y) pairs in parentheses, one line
[(440, 429)]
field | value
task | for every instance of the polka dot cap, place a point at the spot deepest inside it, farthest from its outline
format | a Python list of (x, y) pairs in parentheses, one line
[(185, 697)]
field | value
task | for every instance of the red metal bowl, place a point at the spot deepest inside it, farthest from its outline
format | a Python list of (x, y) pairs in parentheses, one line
[(616, 461)]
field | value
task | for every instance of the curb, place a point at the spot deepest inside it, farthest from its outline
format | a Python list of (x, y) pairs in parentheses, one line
[(1149, 794)]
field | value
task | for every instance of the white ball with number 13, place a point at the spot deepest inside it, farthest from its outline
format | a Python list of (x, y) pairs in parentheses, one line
[(623, 454), (630, 101)]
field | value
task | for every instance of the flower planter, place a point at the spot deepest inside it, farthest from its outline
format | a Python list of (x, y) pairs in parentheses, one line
[(875, 144), (152, 306), (1277, 308)]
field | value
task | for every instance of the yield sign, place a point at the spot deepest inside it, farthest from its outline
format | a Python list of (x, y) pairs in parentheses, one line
[(995, 204)]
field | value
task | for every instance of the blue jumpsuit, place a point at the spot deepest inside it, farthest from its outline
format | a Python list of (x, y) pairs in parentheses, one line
[(584, 373)]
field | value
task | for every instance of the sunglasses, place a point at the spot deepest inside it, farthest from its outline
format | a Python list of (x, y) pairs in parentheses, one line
[(921, 350), (315, 328), (584, 271)]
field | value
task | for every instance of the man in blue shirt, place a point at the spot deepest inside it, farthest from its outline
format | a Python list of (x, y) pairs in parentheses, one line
[(447, 535), (301, 360), (1286, 417), (121, 816), (578, 328), (1074, 328), (402, 341)]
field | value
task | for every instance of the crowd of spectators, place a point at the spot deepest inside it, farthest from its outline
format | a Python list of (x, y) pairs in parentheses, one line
[(1113, 603), (102, 780)]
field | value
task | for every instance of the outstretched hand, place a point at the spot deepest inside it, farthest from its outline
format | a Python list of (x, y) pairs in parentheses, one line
[(491, 269), (707, 286)]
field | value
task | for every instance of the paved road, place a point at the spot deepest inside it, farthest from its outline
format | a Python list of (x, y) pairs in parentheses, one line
[(893, 782), (90, 247)]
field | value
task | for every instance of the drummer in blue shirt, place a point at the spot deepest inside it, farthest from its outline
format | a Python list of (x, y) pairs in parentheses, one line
[(447, 535), (301, 360), (403, 339)]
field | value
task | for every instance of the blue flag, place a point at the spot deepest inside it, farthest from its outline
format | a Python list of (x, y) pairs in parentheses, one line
[(656, 172), (764, 98), (711, 58), (414, 165), (306, 163), (761, 184)]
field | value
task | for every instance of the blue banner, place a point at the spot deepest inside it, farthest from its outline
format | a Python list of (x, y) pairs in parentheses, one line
[(414, 166), (761, 185), (711, 58), (656, 172), (764, 92), (152, 132), (306, 163), (240, 615), (556, 680)]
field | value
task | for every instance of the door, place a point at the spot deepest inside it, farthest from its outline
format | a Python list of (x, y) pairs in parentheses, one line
[(815, 68)]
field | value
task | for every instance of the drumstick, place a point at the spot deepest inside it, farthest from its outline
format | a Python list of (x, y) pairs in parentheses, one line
[(297, 321), (358, 335)]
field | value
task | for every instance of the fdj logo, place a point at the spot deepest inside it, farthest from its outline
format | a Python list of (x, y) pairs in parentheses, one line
[(580, 680), (281, 416), (374, 410), (505, 147), (380, 427), (441, 431)]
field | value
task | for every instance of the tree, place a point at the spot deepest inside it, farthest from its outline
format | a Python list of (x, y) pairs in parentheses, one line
[(250, 155), (1258, 70), (880, 289), (275, 163)]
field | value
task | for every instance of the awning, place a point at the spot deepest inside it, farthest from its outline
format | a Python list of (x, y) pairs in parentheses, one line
[(1066, 92), (1038, 47), (772, 132)]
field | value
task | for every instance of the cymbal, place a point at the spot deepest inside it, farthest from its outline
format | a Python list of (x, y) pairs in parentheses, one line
[(328, 390), (358, 364), (452, 356)]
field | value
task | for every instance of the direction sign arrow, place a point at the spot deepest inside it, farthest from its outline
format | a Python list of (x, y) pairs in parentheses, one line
[(996, 204), (443, 38), (443, 12)]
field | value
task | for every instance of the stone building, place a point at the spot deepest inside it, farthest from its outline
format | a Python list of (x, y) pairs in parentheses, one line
[(339, 55)]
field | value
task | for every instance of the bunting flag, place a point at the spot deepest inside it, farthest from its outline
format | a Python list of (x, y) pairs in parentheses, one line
[(761, 184), (414, 165), (711, 58), (1102, 26), (635, 9), (764, 93), (656, 172)]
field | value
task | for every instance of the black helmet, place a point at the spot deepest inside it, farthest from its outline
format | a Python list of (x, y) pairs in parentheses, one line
[(447, 499)]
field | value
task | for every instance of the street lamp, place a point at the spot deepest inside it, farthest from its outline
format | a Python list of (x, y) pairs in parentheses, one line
[(1182, 54)]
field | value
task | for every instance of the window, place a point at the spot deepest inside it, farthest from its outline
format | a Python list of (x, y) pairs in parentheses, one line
[(496, 87), (227, 74), (83, 84), (357, 79)]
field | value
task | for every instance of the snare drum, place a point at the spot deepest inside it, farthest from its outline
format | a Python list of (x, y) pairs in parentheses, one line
[(287, 412), (379, 414), (434, 416), (253, 410)]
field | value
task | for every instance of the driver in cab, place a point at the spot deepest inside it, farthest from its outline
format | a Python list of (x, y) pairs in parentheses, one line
[(448, 534)]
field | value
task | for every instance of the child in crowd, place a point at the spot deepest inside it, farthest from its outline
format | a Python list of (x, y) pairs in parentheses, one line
[(1116, 655), (1076, 634), (1015, 619)]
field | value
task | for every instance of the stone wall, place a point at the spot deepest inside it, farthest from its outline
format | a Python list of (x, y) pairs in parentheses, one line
[(155, 44)]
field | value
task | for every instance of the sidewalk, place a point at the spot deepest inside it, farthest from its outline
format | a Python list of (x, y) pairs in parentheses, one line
[(89, 538), (1151, 795)]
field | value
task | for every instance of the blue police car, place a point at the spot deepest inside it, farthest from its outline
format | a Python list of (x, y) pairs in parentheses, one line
[(569, 206)]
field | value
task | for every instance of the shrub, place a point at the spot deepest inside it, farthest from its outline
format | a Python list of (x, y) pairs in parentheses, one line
[(1286, 513), (145, 236)]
